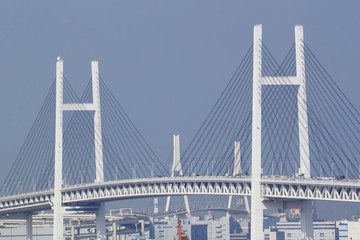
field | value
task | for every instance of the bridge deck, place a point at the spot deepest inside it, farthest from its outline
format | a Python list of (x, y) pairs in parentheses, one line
[(274, 187)]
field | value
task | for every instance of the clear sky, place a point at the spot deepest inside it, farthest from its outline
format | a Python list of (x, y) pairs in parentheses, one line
[(166, 61)]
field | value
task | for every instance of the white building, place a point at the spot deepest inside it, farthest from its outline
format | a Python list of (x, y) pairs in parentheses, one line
[(17, 231), (78, 226), (216, 229), (322, 230), (271, 235), (343, 229), (349, 230)]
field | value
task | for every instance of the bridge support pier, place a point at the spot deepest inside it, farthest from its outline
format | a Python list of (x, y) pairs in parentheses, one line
[(114, 237), (142, 226), (29, 227), (307, 220), (72, 232), (229, 205), (101, 222), (257, 219)]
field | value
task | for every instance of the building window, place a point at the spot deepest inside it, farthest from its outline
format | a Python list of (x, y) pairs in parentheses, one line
[(321, 234), (289, 234)]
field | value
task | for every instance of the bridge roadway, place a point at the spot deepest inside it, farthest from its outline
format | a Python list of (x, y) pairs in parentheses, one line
[(273, 188)]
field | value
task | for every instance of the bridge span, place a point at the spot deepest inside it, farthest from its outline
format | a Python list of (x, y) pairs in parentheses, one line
[(275, 188), (275, 128)]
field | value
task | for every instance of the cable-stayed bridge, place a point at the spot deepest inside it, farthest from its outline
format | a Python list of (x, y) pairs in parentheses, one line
[(282, 133)]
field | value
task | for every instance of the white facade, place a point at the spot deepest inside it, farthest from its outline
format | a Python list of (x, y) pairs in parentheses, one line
[(349, 230), (219, 229), (76, 226), (322, 230), (343, 230), (268, 235), (353, 230), (18, 232)]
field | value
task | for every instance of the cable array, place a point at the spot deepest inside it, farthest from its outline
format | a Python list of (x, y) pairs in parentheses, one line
[(333, 128), (126, 154), (211, 150), (124, 144), (32, 162), (333, 123)]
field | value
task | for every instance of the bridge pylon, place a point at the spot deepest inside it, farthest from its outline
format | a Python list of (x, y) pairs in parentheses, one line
[(238, 171), (58, 231), (258, 203), (176, 167), (58, 228)]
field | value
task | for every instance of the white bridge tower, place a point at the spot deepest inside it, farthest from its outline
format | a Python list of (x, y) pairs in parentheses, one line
[(176, 167), (237, 171), (258, 203), (58, 231)]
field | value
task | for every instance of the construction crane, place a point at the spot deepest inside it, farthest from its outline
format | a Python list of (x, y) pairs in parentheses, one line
[(180, 233)]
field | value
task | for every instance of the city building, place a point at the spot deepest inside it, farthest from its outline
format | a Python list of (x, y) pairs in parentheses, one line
[(273, 235), (205, 228), (216, 228), (120, 225), (349, 230), (342, 227), (166, 229), (291, 230)]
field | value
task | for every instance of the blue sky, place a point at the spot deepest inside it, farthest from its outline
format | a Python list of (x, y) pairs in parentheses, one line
[(166, 61)]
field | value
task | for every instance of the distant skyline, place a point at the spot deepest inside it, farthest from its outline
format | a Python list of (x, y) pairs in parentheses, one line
[(165, 61)]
